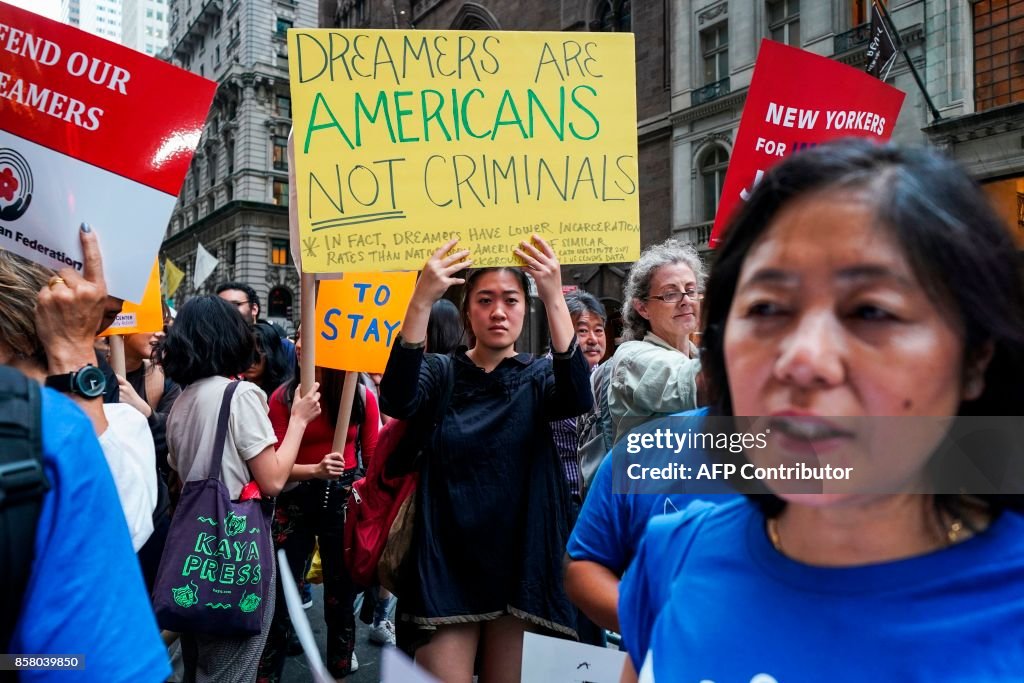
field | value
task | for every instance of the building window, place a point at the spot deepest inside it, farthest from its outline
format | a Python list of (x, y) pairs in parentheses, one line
[(229, 152), (614, 15), (279, 253), (282, 28), (284, 106), (211, 167), (281, 192), (784, 21), (714, 44), (998, 38), (355, 13), (712, 166), (194, 178), (280, 153), (859, 12), (279, 303)]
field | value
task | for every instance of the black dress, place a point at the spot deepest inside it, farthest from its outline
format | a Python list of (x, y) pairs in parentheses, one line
[(492, 507)]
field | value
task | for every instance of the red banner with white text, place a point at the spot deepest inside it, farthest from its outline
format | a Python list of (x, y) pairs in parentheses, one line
[(798, 100)]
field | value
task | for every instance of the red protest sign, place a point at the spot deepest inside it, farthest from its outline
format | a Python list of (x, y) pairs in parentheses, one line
[(91, 131), (797, 100)]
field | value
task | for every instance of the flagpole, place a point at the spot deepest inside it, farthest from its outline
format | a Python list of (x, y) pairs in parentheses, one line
[(913, 70)]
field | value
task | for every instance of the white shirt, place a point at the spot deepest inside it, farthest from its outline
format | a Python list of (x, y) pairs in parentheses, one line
[(128, 447)]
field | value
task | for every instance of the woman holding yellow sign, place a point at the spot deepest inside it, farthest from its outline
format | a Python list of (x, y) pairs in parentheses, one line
[(492, 507)]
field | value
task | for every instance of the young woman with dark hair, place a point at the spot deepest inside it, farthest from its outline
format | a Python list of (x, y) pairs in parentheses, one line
[(209, 344), (859, 281), (445, 329), (271, 368), (492, 507), (311, 510)]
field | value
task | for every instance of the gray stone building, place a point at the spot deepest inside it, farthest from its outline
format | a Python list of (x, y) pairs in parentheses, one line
[(970, 56), (234, 200)]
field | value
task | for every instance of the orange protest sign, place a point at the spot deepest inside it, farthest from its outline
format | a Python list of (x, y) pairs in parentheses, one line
[(146, 316), (358, 319)]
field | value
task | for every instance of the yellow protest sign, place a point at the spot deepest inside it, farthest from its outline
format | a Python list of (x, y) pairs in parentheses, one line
[(358, 319), (145, 316), (404, 139)]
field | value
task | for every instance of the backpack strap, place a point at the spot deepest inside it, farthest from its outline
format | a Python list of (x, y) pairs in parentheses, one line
[(222, 430), (360, 465), (22, 486)]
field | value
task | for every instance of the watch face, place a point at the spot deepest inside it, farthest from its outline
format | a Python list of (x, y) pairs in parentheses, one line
[(90, 382)]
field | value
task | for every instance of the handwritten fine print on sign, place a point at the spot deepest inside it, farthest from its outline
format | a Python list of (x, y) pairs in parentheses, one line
[(404, 139)]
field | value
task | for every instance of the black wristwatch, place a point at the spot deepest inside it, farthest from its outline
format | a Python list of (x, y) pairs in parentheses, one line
[(87, 382)]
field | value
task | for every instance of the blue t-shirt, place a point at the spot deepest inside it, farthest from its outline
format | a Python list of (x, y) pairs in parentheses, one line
[(86, 595), (610, 525), (741, 612)]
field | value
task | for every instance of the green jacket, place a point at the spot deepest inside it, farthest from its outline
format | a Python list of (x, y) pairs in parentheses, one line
[(650, 379)]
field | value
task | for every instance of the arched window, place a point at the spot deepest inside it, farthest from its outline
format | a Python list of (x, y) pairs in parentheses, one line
[(712, 166), (474, 17), (613, 15)]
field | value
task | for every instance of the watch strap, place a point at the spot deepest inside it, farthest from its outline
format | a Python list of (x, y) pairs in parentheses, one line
[(61, 383)]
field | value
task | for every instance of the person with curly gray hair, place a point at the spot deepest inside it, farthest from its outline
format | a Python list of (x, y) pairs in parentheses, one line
[(654, 372)]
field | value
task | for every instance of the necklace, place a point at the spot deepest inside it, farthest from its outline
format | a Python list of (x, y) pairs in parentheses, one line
[(953, 533)]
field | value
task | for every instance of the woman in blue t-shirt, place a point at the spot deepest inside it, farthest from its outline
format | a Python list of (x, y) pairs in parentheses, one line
[(858, 281)]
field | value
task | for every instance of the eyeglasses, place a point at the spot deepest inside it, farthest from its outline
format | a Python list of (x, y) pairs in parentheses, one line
[(676, 297)]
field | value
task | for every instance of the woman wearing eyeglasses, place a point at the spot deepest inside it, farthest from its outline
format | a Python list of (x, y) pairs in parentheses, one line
[(654, 373)]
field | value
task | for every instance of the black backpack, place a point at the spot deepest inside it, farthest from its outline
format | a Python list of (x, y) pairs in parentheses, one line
[(22, 486)]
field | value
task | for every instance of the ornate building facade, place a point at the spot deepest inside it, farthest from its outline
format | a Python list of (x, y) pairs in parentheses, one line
[(235, 197)]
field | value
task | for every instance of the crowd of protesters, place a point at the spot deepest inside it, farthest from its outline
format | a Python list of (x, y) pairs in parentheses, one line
[(857, 280)]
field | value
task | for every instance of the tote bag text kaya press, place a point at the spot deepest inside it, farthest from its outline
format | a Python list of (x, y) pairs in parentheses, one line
[(215, 570)]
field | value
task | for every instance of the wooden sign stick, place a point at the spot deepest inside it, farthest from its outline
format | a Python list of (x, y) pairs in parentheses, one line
[(307, 333), (117, 354), (348, 394)]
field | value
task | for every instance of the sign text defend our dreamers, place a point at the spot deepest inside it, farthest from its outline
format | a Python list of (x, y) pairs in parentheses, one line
[(444, 133), (48, 53)]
